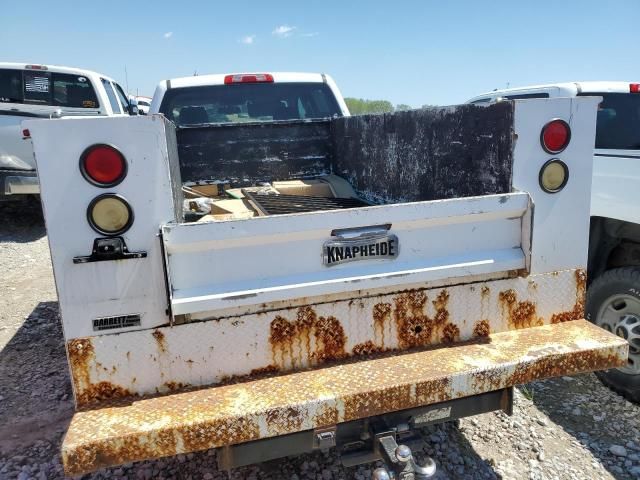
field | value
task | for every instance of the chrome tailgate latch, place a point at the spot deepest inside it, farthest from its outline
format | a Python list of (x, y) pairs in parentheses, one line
[(324, 438)]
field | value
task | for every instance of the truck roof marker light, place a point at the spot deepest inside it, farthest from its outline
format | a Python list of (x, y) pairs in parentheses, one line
[(103, 165), (110, 214), (248, 78), (634, 88), (554, 175), (555, 136)]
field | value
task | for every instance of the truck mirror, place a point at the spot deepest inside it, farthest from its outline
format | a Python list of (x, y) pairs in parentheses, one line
[(133, 107)]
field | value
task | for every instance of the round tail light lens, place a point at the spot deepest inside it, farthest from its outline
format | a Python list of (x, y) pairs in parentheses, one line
[(110, 214), (103, 165), (555, 136), (554, 175)]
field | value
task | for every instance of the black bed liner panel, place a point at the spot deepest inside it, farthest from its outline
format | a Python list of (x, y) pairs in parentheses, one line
[(245, 154), (425, 154)]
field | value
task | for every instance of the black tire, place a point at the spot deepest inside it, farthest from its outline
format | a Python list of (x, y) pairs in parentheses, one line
[(612, 282)]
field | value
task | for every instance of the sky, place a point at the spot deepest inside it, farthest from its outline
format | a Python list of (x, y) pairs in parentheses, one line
[(410, 52)]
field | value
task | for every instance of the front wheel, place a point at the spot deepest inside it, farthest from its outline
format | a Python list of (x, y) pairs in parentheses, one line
[(613, 303)]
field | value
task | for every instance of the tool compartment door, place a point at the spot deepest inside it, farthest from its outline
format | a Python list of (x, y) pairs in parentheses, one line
[(221, 265)]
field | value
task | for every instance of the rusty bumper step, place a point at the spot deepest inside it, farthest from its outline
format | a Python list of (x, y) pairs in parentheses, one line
[(224, 415)]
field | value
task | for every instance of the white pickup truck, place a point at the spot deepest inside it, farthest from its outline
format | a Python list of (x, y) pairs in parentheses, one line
[(613, 300), (355, 279), (46, 91)]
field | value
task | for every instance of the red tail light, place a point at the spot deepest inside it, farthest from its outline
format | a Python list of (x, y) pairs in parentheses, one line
[(248, 78), (103, 165), (555, 136), (634, 88), (26, 133)]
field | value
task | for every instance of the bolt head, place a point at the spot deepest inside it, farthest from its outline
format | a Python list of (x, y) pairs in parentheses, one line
[(403, 453)]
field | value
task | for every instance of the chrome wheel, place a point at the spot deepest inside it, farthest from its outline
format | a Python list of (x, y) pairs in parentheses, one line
[(620, 314)]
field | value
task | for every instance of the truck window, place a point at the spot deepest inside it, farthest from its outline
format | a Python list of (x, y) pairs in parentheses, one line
[(524, 96), (250, 102), (113, 101), (37, 87), (75, 91), (618, 121), (47, 88), (10, 86), (122, 98)]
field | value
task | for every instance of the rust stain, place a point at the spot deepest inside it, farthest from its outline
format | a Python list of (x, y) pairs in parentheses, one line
[(414, 327), (559, 364), (175, 386), (291, 341), (367, 348), (218, 416), (81, 356), (450, 333), (481, 329), (82, 361), (519, 314), (326, 416), (199, 437), (577, 312), (101, 392), (160, 340), (381, 318), (433, 392), (268, 370), (284, 420), (366, 404)]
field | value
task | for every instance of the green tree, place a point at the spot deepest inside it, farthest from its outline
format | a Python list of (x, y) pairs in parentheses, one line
[(402, 106), (360, 106)]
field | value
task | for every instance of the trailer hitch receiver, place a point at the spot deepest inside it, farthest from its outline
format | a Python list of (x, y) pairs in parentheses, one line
[(400, 459)]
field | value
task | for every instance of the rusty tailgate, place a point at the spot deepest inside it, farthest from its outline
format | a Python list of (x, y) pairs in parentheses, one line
[(146, 428)]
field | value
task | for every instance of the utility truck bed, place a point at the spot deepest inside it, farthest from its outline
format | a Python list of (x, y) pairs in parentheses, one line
[(378, 272)]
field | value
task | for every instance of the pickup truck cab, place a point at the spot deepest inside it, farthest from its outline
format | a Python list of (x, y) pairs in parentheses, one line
[(357, 277), (614, 249), (46, 91), (237, 98)]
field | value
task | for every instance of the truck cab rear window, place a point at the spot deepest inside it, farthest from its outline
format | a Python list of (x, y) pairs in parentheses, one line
[(251, 102), (618, 122), (46, 88)]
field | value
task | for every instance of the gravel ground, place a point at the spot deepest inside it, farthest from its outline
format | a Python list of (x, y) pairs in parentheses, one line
[(566, 428)]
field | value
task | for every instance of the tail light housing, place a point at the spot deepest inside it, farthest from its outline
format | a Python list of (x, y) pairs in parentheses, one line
[(103, 165), (555, 136), (554, 175), (110, 214), (634, 88), (248, 78)]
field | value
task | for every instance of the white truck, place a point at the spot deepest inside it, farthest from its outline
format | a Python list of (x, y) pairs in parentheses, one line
[(613, 300), (46, 91), (356, 278)]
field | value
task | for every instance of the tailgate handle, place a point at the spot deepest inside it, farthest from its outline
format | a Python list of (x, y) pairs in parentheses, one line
[(358, 232)]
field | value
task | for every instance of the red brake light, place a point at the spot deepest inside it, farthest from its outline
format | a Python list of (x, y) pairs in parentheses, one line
[(248, 78), (555, 136), (26, 133), (103, 165), (35, 67), (634, 88)]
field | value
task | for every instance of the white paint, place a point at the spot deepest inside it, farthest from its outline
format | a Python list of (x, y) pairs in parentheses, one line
[(436, 240), (616, 172), (93, 290)]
